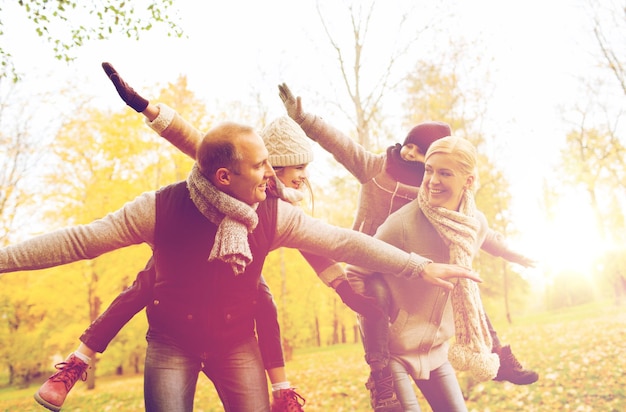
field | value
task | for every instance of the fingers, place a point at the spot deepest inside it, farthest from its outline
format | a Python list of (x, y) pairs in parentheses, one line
[(456, 271), (281, 92), (285, 92), (473, 276), (444, 284), (108, 69)]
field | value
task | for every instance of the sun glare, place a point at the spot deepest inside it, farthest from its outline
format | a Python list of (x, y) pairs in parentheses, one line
[(570, 242)]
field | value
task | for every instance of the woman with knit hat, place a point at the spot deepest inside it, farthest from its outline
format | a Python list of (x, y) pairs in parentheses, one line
[(390, 180), (289, 152)]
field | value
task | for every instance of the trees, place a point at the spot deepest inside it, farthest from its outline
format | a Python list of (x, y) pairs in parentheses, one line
[(98, 161), (609, 29), (68, 24), (367, 72), (444, 92)]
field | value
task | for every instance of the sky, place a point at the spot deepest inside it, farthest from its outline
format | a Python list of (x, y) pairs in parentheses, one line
[(538, 51)]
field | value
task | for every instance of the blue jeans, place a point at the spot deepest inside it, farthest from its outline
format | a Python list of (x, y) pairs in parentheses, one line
[(442, 390), (171, 375)]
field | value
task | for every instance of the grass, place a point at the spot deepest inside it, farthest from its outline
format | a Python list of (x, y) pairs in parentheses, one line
[(579, 353)]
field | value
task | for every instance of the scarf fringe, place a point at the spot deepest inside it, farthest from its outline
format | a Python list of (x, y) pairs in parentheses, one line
[(471, 350)]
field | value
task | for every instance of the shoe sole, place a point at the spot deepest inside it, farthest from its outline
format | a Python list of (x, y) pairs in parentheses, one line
[(46, 404)]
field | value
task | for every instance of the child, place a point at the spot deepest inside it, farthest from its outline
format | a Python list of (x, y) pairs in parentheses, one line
[(289, 152), (389, 181)]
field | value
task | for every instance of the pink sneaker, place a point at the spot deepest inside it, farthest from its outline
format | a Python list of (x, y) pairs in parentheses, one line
[(287, 400), (52, 393)]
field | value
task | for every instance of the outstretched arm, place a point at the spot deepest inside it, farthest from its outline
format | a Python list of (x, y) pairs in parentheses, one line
[(160, 118), (496, 245), (361, 163)]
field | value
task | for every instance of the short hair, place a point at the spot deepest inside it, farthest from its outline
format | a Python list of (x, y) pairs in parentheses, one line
[(217, 148), (462, 151)]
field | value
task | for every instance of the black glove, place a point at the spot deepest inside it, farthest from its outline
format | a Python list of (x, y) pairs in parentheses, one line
[(292, 104), (126, 92), (361, 304)]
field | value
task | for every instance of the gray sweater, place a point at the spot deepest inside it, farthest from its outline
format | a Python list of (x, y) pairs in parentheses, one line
[(380, 193), (419, 334), (134, 223)]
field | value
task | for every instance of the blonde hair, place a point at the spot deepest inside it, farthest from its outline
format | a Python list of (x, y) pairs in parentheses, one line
[(462, 151)]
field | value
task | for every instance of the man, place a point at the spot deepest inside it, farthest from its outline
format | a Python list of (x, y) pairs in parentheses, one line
[(210, 235)]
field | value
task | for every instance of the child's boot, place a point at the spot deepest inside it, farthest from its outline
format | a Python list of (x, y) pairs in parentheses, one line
[(52, 393)]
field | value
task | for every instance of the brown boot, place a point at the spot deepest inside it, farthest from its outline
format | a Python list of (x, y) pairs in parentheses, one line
[(52, 393), (382, 391), (513, 371), (287, 400)]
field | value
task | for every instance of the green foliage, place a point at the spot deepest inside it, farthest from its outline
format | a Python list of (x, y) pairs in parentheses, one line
[(67, 24)]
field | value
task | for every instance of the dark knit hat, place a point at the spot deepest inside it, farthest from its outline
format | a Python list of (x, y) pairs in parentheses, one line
[(287, 143), (424, 134)]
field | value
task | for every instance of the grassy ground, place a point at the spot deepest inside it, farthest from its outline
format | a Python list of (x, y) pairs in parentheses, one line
[(579, 353)]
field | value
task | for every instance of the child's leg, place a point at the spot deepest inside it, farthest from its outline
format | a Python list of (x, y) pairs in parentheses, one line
[(510, 368), (53, 392), (126, 305), (375, 337), (268, 331), (375, 331)]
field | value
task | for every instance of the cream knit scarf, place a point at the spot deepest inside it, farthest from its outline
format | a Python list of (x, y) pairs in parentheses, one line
[(472, 347), (235, 219)]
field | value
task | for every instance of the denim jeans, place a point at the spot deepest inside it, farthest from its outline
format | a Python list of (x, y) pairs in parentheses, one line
[(442, 390), (375, 332), (171, 375)]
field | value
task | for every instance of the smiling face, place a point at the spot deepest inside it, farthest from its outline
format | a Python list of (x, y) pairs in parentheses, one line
[(248, 180), (293, 176), (445, 182), (410, 152)]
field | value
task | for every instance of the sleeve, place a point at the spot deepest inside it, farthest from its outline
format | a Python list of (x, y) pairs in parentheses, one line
[(132, 224), (494, 243), (391, 232), (361, 163), (297, 230), (176, 130), (327, 269)]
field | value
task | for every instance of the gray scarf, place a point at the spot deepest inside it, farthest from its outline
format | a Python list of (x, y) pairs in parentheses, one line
[(235, 220), (459, 230)]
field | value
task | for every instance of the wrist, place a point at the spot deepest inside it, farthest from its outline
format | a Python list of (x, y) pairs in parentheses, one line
[(420, 268)]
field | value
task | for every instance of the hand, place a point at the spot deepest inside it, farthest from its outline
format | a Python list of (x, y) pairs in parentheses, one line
[(292, 104), (126, 92), (361, 304), (437, 273), (521, 260)]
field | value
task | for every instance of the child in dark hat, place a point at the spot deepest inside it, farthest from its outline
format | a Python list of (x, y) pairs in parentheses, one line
[(389, 181)]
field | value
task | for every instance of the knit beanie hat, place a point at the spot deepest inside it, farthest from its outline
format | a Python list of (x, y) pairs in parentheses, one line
[(424, 134), (287, 143)]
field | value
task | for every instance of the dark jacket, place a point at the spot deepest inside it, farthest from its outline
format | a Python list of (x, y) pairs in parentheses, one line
[(199, 305)]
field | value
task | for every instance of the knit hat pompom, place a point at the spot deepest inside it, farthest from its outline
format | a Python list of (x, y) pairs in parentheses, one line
[(287, 143), (424, 134)]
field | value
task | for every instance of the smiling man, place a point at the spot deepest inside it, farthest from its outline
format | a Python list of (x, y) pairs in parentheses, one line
[(210, 235)]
